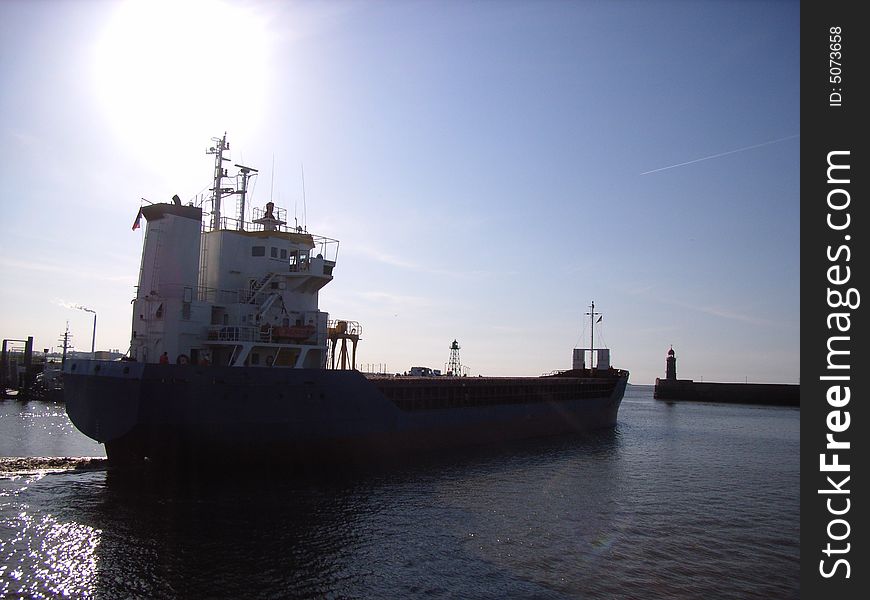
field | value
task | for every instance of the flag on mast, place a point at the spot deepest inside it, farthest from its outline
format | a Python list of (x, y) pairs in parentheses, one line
[(599, 319), (138, 218)]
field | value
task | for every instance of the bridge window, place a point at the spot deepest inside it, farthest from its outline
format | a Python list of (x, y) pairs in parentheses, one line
[(258, 250)]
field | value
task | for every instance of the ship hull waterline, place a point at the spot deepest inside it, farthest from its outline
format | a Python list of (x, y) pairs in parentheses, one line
[(178, 415)]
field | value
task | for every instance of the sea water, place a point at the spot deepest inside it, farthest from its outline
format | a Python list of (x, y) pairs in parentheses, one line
[(681, 500)]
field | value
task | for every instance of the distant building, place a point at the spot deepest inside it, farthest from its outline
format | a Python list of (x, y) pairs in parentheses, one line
[(424, 372)]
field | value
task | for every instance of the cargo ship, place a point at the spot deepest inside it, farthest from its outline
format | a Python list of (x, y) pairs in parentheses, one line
[(231, 357)]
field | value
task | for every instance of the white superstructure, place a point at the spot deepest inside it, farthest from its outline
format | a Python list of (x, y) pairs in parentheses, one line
[(230, 292)]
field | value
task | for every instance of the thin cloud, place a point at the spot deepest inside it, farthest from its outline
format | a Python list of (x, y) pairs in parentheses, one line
[(723, 313), (63, 269), (712, 310), (712, 156), (397, 299), (395, 261), (26, 139), (385, 258)]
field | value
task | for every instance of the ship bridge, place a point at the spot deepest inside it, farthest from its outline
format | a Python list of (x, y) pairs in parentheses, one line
[(229, 290)]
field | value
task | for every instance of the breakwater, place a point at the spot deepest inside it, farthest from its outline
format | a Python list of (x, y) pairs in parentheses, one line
[(774, 394)]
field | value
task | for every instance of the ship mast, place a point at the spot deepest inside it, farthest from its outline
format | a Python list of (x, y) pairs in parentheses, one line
[(66, 345), (246, 175), (592, 315), (219, 173)]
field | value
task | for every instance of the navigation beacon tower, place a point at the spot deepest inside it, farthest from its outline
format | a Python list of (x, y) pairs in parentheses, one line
[(454, 367)]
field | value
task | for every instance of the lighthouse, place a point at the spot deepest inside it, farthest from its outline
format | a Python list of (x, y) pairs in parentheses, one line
[(671, 366)]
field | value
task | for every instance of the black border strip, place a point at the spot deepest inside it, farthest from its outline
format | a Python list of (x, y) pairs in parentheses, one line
[(834, 257)]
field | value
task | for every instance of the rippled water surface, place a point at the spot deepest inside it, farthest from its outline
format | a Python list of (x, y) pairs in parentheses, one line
[(680, 501)]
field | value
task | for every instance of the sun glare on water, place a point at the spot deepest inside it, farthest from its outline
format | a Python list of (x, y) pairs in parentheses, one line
[(168, 71)]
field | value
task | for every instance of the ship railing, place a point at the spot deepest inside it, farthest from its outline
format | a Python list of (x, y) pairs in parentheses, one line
[(188, 293), (234, 333), (256, 289), (324, 246), (219, 297), (343, 327), (225, 222), (300, 334), (216, 296)]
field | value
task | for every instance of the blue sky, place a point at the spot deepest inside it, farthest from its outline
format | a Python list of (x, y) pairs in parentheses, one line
[(489, 168)]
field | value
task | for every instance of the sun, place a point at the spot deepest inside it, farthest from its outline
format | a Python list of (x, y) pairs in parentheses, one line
[(186, 68)]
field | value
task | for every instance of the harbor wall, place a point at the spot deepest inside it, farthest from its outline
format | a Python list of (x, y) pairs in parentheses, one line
[(774, 394)]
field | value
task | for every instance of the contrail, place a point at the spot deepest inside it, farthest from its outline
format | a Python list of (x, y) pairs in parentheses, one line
[(722, 154)]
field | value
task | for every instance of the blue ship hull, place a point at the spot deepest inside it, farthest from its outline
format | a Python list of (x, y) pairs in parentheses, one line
[(187, 414)]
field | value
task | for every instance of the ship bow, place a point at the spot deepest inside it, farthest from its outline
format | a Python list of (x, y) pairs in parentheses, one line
[(102, 397)]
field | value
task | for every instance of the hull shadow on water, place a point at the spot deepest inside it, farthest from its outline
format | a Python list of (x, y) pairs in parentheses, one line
[(397, 527)]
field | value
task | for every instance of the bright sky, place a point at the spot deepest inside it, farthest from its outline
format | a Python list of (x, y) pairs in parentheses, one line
[(489, 168)]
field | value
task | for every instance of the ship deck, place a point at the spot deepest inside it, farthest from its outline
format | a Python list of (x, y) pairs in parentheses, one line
[(411, 393)]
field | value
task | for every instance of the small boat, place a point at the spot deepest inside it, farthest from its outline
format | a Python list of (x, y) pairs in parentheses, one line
[(48, 385)]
